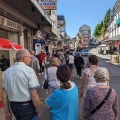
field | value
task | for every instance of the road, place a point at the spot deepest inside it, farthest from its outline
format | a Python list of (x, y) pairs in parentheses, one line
[(114, 83)]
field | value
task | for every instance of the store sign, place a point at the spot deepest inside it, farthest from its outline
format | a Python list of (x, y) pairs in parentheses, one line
[(48, 4), (10, 24)]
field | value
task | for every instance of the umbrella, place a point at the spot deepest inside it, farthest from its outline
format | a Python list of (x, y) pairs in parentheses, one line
[(9, 45)]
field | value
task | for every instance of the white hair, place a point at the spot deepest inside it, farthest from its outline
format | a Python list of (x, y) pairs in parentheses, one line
[(21, 53), (102, 74)]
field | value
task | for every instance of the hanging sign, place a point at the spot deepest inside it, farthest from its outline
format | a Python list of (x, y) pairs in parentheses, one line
[(48, 4)]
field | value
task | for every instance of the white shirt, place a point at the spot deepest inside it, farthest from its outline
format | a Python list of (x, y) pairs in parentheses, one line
[(71, 59), (52, 78), (18, 80)]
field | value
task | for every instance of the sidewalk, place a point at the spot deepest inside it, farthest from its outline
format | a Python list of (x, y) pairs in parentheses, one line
[(109, 59), (43, 96)]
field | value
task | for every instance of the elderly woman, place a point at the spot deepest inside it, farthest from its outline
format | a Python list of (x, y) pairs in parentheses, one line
[(50, 75), (63, 102), (88, 77), (95, 95)]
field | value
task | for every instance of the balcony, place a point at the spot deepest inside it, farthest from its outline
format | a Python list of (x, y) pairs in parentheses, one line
[(118, 22)]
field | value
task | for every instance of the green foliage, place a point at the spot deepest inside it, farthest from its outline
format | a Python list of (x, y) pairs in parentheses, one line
[(102, 27), (97, 31), (107, 19)]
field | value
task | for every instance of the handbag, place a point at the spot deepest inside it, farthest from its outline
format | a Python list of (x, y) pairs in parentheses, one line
[(82, 66), (45, 85), (101, 104)]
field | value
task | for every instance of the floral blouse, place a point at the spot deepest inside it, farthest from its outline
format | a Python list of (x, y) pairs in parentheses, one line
[(94, 96)]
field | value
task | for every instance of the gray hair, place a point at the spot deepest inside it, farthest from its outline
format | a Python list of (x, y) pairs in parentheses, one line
[(32, 52), (102, 74), (21, 53)]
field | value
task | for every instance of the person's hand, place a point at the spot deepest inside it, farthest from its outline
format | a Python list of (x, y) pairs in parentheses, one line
[(39, 115), (8, 116), (81, 94)]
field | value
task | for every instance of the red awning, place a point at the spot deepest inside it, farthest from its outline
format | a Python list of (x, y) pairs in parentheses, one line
[(9, 45)]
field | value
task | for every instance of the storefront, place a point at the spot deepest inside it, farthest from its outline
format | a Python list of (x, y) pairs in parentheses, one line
[(10, 30)]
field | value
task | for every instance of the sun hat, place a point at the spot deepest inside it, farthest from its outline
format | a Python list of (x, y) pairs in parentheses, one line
[(102, 74)]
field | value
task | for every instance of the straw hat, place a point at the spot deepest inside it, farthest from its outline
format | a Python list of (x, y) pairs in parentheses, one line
[(54, 61), (102, 74)]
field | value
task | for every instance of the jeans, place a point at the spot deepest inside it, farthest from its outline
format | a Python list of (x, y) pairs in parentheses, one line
[(23, 111)]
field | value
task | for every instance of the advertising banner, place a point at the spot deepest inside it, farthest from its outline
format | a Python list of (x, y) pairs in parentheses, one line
[(48, 4)]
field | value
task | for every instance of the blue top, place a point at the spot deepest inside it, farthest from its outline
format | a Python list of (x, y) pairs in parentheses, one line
[(64, 104)]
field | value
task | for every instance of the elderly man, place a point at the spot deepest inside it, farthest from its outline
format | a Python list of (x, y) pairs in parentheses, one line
[(19, 84), (34, 62)]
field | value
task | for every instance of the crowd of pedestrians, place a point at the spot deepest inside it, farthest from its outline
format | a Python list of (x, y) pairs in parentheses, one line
[(20, 87)]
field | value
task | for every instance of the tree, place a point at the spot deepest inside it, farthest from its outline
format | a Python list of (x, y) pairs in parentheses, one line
[(107, 19), (97, 31)]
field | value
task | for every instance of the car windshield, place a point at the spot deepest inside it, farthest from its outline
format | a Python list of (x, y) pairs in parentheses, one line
[(85, 50)]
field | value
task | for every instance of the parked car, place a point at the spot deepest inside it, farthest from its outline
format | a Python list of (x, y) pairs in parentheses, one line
[(85, 52)]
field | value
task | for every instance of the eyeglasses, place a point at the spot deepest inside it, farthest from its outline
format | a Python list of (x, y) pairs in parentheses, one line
[(28, 56)]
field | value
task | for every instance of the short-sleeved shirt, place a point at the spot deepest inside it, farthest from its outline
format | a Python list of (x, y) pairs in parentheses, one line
[(18, 80), (64, 104)]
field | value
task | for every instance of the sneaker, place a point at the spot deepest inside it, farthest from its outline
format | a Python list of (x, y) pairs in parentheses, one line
[(42, 73), (39, 73), (80, 77)]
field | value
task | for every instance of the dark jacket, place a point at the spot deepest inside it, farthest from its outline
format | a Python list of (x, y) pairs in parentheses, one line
[(78, 62)]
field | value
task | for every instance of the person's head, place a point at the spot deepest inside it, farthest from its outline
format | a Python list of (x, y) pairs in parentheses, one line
[(32, 52), (102, 74), (23, 55), (71, 53), (42, 51), (93, 60), (55, 55), (79, 55), (54, 62), (64, 74), (3, 56), (67, 52)]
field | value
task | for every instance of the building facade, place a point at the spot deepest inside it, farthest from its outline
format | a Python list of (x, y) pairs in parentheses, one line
[(114, 27), (85, 35), (24, 21)]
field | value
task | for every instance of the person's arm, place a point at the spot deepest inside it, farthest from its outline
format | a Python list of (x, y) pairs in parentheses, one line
[(36, 101), (8, 114), (86, 105), (38, 65), (115, 108), (84, 82)]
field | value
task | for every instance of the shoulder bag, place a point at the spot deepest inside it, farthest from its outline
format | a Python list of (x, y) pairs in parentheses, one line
[(101, 104)]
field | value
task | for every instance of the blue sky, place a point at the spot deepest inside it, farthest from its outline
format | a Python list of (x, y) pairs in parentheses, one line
[(80, 12)]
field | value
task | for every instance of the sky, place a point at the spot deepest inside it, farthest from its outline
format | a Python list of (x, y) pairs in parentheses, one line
[(80, 12)]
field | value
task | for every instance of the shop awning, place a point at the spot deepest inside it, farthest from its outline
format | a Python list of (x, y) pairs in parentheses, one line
[(32, 10), (9, 45)]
